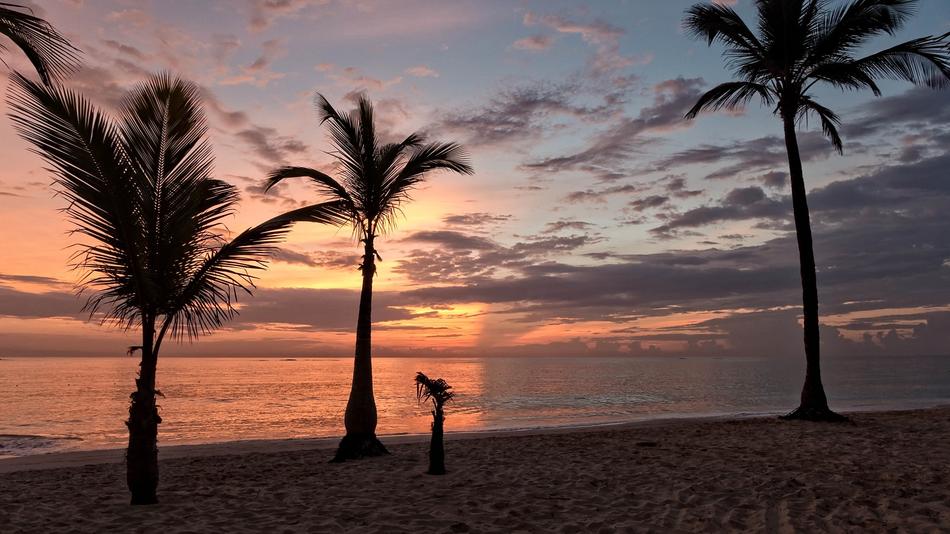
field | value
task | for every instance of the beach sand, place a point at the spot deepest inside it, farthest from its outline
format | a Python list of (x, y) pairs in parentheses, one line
[(882, 472)]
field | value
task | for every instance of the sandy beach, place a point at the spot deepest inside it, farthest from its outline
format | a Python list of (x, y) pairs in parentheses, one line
[(882, 472)]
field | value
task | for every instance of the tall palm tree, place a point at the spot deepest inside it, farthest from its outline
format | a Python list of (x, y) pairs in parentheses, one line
[(51, 54), (800, 44), (439, 392), (150, 219), (375, 180)]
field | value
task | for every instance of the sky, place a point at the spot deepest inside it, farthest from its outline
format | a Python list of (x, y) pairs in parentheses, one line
[(598, 221)]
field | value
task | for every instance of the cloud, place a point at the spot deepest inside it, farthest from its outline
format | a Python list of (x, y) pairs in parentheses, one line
[(565, 224), (607, 154), (451, 239), (534, 43), (649, 202), (354, 79), (604, 37), (270, 146), (263, 13), (422, 71), (601, 195), (259, 72), (46, 304), (477, 219), (521, 113), (759, 155), (739, 204)]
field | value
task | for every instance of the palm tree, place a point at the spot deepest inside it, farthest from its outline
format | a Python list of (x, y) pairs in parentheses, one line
[(375, 180), (51, 54), (439, 392), (799, 44), (141, 196)]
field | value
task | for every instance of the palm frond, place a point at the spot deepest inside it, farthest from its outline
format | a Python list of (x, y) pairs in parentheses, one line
[(374, 178), (209, 297), (719, 22), (844, 75), (438, 391), (426, 158), (845, 28), (923, 61), (84, 149), (51, 54), (731, 95), (324, 182), (829, 121)]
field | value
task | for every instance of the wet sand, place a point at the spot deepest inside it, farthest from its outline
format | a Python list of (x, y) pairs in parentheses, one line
[(882, 472)]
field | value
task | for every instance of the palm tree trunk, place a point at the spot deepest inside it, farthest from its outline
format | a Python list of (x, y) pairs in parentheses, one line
[(814, 404), (142, 455), (437, 447), (360, 417)]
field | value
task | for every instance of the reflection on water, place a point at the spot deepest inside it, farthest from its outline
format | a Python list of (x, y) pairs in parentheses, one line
[(49, 404)]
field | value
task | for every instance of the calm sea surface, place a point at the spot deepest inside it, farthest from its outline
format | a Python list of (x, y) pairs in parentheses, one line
[(60, 404)]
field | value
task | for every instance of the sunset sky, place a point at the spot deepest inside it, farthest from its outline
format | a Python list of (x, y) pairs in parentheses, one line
[(598, 221)]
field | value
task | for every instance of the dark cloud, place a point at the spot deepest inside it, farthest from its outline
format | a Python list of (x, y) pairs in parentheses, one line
[(739, 204), (459, 257), (46, 304), (534, 43), (880, 240), (521, 113), (479, 219), (558, 226), (285, 255), (271, 147), (451, 239), (916, 109), (676, 186), (649, 202), (31, 279), (601, 195), (318, 309), (754, 156), (608, 153)]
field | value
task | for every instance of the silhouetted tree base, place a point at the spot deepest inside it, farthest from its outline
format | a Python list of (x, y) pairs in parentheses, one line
[(437, 448), (813, 413), (141, 457), (356, 446)]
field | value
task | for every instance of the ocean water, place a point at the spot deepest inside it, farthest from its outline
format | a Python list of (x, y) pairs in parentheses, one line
[(63, 404)]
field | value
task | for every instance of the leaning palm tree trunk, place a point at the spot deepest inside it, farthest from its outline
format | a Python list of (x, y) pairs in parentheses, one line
[(814, 403), (360, 417)]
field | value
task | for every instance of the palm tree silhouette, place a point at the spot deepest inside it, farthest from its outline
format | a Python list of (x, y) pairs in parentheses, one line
[(439, 392), (141, 197), (801, 43), (375, 180), (51, 54)]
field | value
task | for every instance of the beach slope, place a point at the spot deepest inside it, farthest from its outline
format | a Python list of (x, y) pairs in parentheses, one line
[(883, 471)]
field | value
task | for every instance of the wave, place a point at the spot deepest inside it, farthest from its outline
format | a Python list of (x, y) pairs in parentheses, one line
[(26, 444)]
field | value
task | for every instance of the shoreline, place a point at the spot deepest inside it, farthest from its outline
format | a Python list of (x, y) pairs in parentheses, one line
[(64, 459)]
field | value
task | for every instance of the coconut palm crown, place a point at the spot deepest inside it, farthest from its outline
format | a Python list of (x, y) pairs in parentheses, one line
[(51, 54), (148, 217), (375, 179), (800, 45)]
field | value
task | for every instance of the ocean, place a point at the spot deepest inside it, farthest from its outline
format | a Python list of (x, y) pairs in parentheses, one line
[(80, 403)]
